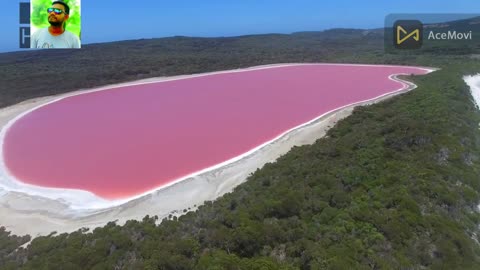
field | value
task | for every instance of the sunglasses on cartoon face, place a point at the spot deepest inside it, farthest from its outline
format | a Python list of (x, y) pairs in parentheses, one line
[(57, 11)]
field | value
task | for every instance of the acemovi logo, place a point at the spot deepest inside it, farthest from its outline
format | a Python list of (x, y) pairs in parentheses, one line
[(408, 34)]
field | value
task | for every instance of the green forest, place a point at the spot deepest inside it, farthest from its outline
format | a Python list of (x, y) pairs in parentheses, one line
[(393, 186)]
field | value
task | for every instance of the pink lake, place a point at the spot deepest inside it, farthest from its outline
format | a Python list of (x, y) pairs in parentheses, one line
[(125, 141)]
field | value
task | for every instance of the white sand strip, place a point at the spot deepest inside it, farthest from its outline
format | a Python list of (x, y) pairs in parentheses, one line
[(474, 83), (37, 214)]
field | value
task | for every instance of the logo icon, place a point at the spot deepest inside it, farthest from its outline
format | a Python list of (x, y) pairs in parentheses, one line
[(408, 34)]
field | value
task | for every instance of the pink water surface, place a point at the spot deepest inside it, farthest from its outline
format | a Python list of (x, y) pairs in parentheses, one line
[(129, 140)]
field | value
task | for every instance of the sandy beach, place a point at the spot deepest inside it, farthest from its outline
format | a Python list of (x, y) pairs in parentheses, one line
[(45, 211), (474, 83)]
